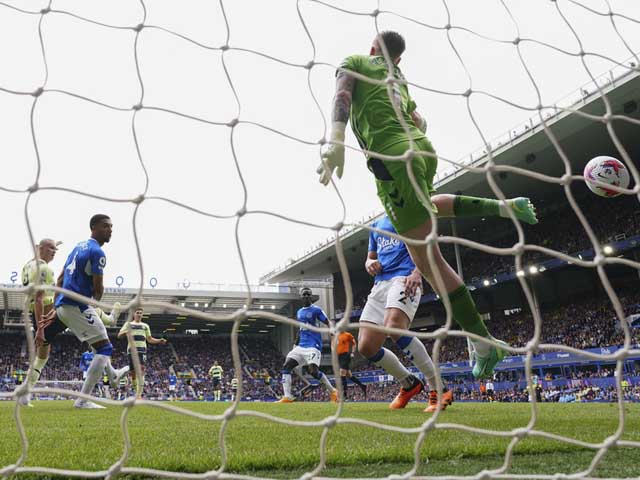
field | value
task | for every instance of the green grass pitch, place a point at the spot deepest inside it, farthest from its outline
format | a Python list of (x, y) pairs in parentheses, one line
[(62, 437)]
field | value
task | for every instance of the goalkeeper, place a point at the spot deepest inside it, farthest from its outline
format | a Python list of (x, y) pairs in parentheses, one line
[(377, 127)]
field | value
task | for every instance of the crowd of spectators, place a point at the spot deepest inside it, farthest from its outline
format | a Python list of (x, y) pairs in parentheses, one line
[(586, 393), (187, 357), (359, 300), (583, 324), (587, 324), (622, 220), (471, 391)]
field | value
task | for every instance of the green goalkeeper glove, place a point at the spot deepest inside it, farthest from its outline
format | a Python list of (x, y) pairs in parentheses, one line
[(333, 157)]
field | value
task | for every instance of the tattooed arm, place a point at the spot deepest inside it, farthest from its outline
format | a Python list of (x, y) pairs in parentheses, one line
[(343, 97), (419, 120)]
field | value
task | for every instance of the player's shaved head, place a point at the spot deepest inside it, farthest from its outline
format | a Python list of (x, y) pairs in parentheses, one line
[(48, 242), (393, 41), (47, 249)]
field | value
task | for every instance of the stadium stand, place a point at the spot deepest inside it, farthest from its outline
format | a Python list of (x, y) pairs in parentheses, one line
[(621, 220), (588, 324), (189, 357), (579, 319)]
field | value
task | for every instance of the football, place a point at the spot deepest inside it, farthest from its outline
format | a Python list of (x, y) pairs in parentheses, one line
[(606, 170)]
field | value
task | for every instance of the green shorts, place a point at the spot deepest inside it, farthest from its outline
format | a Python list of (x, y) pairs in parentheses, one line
[(399, 198)]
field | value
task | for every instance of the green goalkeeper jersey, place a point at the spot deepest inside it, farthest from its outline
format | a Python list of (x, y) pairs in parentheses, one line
[(373, 119)]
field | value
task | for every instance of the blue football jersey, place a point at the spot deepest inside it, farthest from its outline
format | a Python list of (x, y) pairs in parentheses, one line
[(84, 261), (85, 361), (392, 253), (172, 380), (311, 315)]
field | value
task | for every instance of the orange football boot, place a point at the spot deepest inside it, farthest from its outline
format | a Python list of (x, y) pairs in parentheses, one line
[(404, 396), (333, 396), (447, 399)]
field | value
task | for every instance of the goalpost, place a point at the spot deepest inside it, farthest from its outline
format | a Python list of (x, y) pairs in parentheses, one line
[(483, 164)]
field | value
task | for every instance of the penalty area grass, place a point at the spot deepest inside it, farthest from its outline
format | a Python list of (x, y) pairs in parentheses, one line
[(63, 437)]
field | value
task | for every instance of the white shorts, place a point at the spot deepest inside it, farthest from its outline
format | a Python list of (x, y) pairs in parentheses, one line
[(84, 374), (86, 326), (172, 388), (389, 294), (305, 356)]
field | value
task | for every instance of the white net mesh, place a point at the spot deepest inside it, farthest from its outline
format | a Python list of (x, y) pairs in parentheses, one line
[(482, 165)]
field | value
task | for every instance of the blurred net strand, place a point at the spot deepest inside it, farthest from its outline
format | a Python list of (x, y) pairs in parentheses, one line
[(488, 169)]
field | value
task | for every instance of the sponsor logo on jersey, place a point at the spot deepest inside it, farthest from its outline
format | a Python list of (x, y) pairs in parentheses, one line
[(386, 242)]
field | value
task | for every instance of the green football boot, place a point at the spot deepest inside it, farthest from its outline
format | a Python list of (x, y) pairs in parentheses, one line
[(483, 367)]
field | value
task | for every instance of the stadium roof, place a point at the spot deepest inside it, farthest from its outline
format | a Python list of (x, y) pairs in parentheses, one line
[(272, 299), (527, 147)]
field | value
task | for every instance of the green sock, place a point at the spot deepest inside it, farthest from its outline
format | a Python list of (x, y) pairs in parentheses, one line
[(465, 312), (464, 206)]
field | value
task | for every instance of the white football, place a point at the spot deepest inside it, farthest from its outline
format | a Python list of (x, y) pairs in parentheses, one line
[(606, 170)]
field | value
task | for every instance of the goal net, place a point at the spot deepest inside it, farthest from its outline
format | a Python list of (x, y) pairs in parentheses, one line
[(482, 69)]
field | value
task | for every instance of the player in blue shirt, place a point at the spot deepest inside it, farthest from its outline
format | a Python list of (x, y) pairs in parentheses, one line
[(393, 302), (173, 381), (83, 274), (85, 361), (307, 351)]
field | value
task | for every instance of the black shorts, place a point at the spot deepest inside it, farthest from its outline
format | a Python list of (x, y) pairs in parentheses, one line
[(216, 383), (53, 329), (490, 393), (141, 356), (344, 360)]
